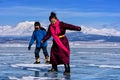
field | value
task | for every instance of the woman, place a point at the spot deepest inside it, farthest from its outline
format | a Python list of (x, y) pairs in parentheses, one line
[(60, 51)]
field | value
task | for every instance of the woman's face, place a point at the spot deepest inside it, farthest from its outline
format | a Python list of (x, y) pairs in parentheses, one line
[(53, 21)]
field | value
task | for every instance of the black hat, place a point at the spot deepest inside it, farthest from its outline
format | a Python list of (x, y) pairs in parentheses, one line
[(37, 24), (52, 15)]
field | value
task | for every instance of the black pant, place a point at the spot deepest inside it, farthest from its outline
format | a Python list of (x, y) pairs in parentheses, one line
[(37, 50)]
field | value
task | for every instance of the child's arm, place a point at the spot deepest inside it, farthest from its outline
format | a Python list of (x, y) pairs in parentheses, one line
[(31, 41), (47, 36)]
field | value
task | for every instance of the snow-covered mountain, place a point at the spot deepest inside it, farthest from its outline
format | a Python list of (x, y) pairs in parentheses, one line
[(24, 30), (21, 29), (101, 31)]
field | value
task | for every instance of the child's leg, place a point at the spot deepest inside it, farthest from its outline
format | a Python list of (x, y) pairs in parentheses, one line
[(37, 50), (45, 52)]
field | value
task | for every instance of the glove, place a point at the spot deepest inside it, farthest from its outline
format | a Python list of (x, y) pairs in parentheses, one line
[(29, 47)]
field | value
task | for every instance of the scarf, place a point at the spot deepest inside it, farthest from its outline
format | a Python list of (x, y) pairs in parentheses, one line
[(55, 30)]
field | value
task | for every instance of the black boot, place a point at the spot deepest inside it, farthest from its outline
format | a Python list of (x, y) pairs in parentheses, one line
[(67, 69), (54, 68)]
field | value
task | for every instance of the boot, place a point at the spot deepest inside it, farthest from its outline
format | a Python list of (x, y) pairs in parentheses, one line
[(47, 60), (37, 60), (67, 69), (54, 68)]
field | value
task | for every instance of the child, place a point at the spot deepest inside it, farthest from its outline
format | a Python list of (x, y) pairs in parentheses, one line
[(60, 51), (37, 36)]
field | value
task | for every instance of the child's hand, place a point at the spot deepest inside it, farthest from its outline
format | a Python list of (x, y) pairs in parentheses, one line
[(29, 47)]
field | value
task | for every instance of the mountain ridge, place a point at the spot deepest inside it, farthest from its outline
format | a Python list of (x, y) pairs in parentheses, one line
[(22, 32)]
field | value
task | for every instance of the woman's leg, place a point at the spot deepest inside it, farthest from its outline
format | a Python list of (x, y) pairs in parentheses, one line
[(67, 69), (54, 68)]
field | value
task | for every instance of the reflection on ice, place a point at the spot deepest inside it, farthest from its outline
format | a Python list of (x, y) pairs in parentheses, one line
[(46, 76)]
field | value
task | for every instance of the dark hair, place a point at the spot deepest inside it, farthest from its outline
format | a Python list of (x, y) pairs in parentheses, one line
[(52, 15), (37, 24)]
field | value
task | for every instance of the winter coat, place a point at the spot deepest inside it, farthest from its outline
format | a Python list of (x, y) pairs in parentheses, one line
[(58, 55), (38, 36)]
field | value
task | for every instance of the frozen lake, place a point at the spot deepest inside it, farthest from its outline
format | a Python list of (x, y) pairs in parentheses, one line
[(98, 61)]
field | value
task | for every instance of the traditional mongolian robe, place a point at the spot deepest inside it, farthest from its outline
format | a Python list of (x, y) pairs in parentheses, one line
[(60, 51)]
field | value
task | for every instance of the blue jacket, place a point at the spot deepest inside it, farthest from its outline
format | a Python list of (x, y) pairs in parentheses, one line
[(38, 35)]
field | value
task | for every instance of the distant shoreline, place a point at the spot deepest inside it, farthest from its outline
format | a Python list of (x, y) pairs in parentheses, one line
[(73, 44)]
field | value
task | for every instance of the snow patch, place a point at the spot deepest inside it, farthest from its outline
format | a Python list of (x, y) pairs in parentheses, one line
[(105, 66), (36, 65), (34, 78)]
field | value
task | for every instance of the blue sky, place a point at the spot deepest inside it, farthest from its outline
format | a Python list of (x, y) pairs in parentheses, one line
[(80, 12)]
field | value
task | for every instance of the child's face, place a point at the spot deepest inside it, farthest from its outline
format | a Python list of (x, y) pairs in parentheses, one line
[(36, 27)]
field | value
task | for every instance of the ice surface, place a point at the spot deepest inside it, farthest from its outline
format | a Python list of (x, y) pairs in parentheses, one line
[(91, 61)]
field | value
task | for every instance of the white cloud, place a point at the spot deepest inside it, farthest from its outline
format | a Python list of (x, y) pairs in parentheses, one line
[(90, 14), (24, 11), (38, 11)]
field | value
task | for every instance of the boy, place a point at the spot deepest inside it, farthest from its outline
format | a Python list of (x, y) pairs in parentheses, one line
[(37, 36)]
